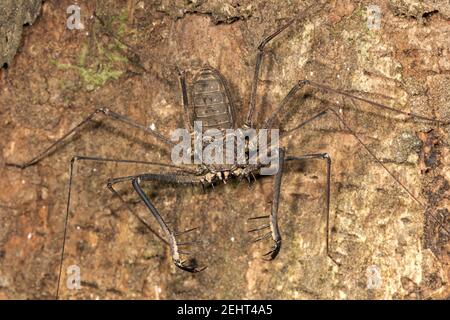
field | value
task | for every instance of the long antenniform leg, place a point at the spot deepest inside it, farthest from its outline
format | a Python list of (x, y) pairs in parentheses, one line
[(170, 234), (104, 111), (325, 88), (103, 160), (302, 83), (371, 153)]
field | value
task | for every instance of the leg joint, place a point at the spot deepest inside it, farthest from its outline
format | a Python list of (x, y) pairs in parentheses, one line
[(103, 110), (301, 83), (74, 158), (326, 156), (110, 183)]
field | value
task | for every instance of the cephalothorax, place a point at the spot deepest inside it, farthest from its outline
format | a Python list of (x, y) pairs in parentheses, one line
[(209, 100)]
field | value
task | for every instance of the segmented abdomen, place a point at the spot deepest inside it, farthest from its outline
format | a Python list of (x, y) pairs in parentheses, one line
[(211, 100)]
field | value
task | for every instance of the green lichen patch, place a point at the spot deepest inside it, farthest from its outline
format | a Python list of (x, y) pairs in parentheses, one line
[(101, 60)]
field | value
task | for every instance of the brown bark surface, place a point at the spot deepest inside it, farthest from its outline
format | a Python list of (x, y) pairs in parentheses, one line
[(60, 76)]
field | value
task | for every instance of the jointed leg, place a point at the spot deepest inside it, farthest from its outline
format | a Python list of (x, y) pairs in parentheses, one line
[(385, 168), (98, 159), (268, 123), (259, 56), (373, 103), (104, 111), (326, 157), (187, 120), (302, 83), (273, 225), (325, 88), (251, 107), (371, 153)]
